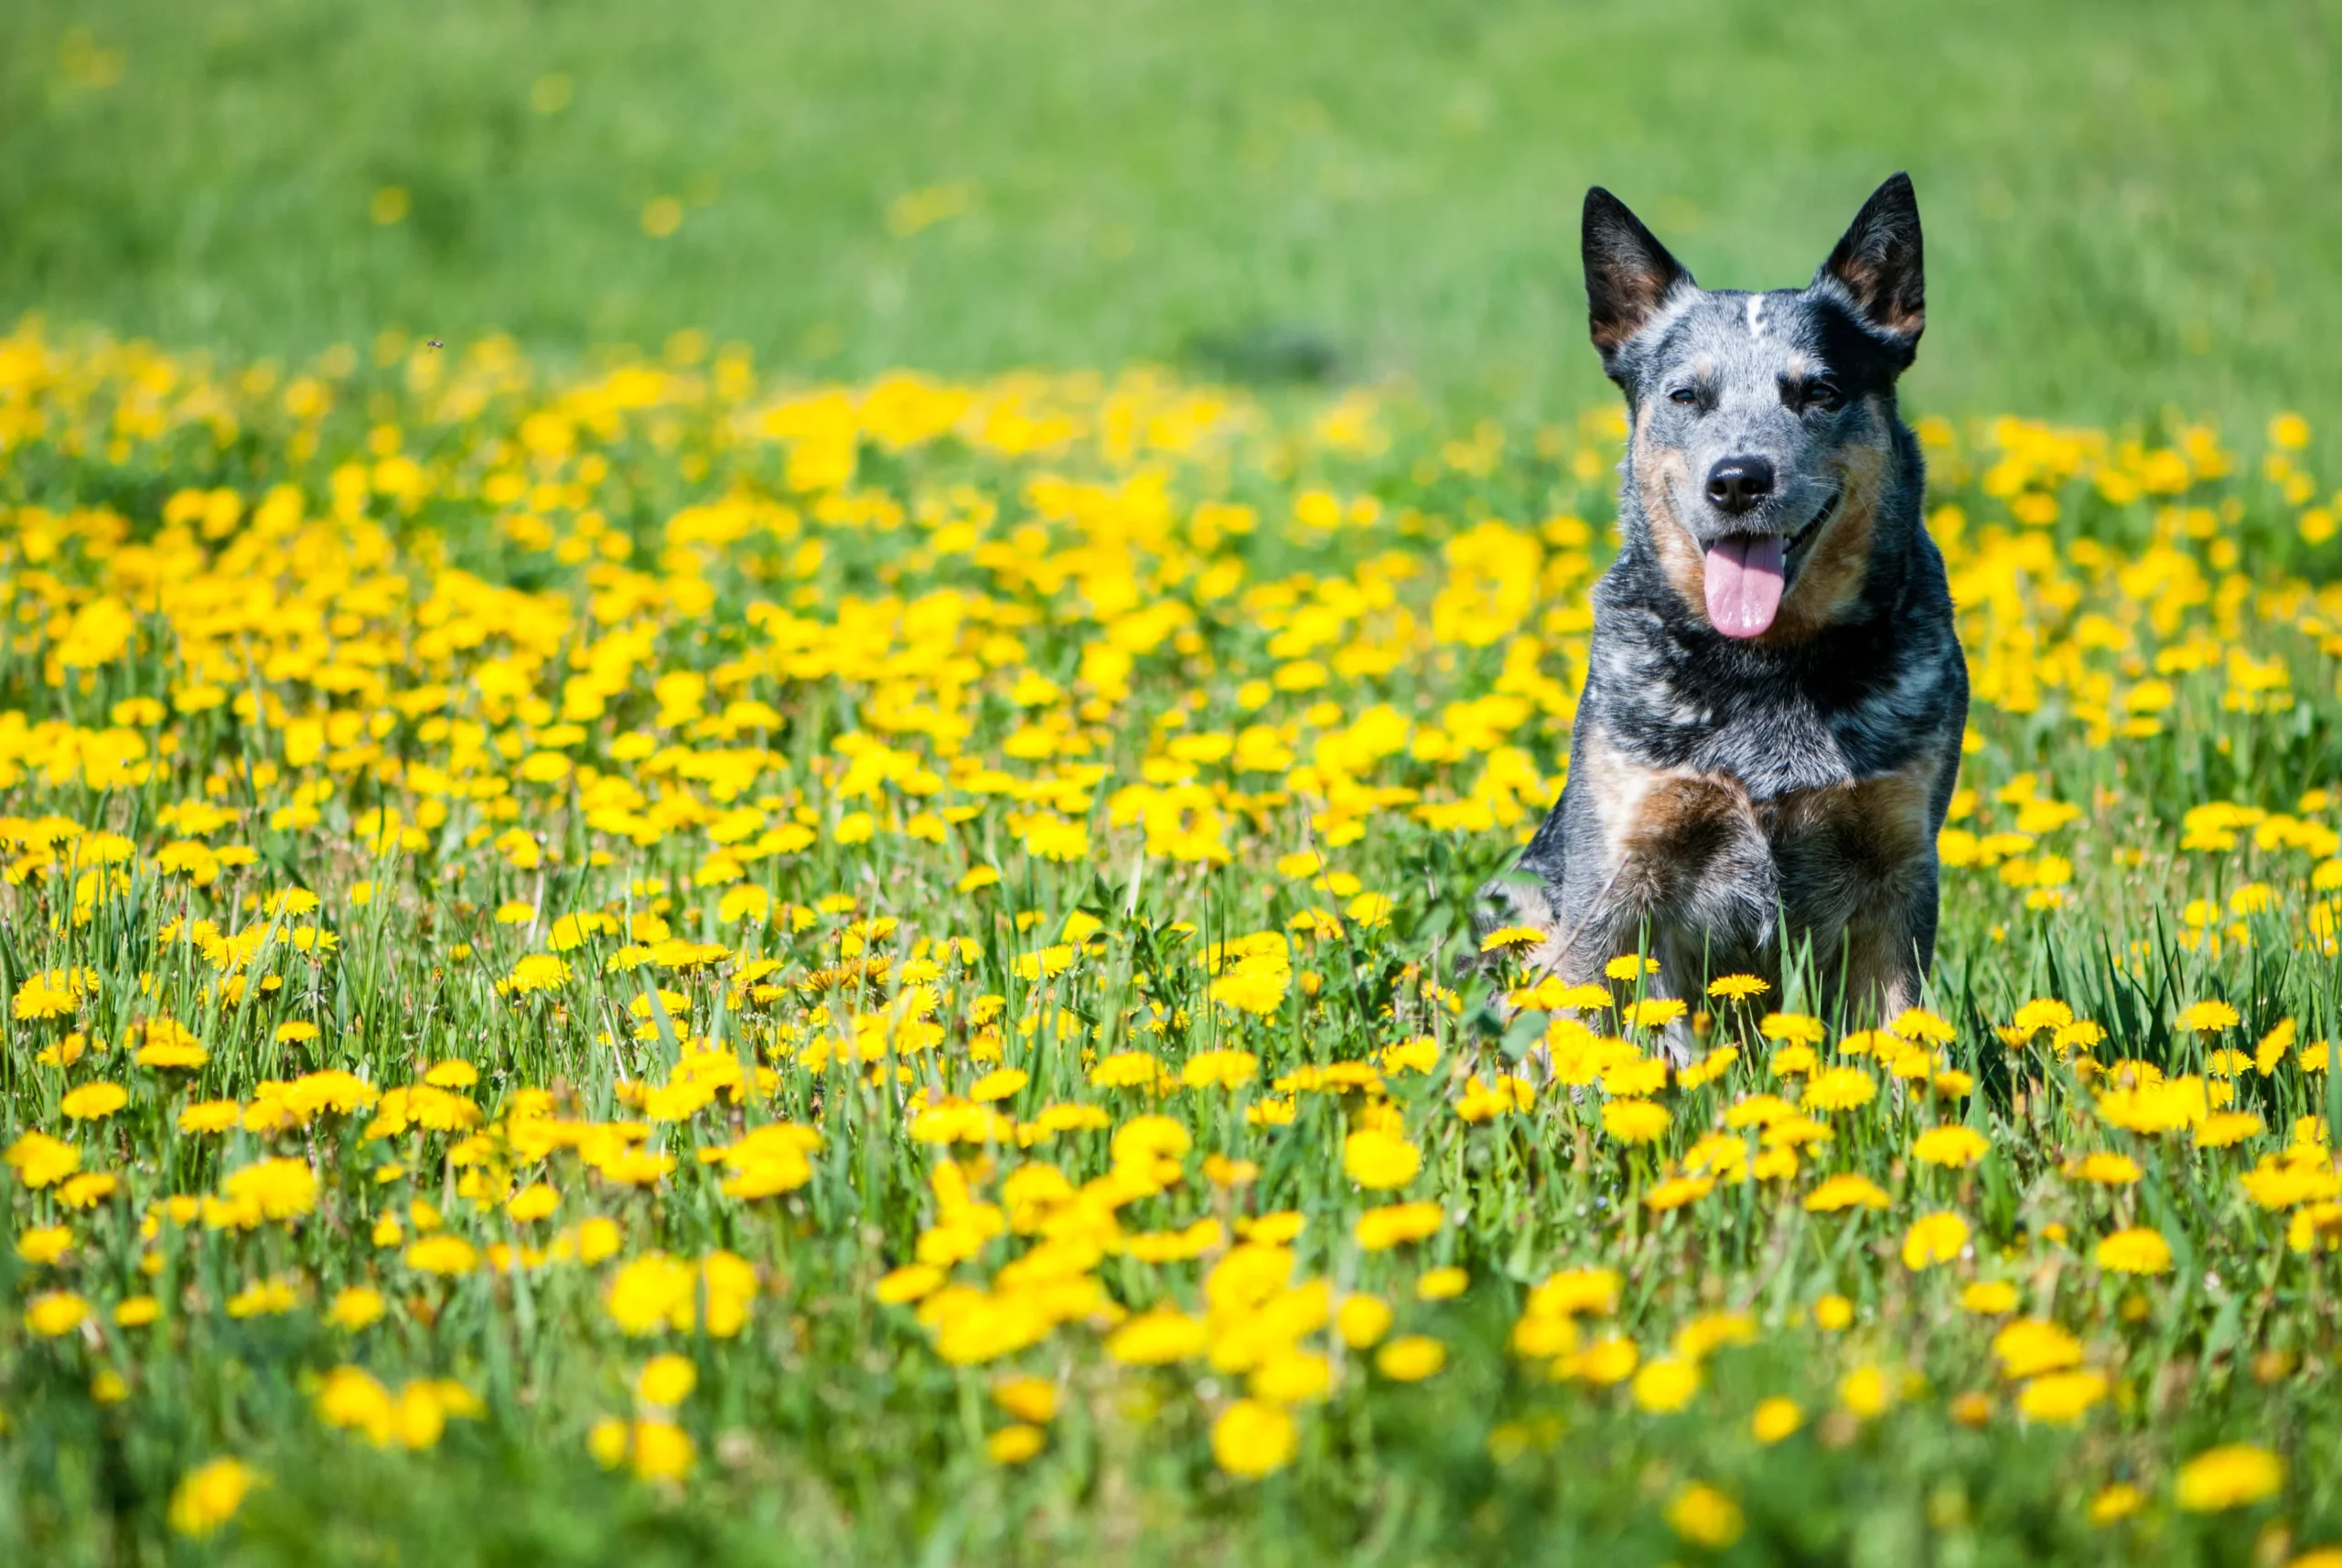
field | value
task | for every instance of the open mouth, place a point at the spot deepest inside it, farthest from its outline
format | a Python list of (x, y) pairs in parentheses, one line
[(1804, 536), (1747, 574)]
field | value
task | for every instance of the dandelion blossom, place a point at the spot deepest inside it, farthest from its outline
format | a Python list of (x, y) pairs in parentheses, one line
[(1704, 1517), (1844, 1192), (1934, 1239), (1654, 1013), (1988, 1298), (1954, 1148), (56, 1314), (1510, 939), (40, 1160), (2137, 1251), (1157, 1338), (2207, 1017), (1410, 1358), (1634, 1120), (1841, 1088), (666, 1380), (1251, 1438), (1776, 1419), (2234, 1476), (1379, 1229), (1380, 1161), (2061, 1396), (209, 1495), (1666, 1384), (94, 1101), (1362, 1320), (1014, 1444), (2104, 1169)]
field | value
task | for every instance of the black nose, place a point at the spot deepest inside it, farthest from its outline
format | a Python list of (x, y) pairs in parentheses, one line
[(1736, 484)]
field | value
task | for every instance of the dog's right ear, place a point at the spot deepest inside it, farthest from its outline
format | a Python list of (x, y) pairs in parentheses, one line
[(1628, 273)]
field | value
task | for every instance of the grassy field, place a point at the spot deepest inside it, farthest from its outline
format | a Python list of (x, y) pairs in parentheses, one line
[(711, 952), (2118, 193), (879, 961)]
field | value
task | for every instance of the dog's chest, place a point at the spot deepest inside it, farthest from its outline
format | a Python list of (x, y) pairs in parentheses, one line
[(1696, 844)]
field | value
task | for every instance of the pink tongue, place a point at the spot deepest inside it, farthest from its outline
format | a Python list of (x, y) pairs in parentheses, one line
[(1744, 584)]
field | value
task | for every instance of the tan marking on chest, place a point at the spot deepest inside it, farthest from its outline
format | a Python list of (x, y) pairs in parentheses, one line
[(1868, 832), (1847, 843), (1662, 825)]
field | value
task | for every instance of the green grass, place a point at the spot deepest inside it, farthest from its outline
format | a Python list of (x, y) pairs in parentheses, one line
[(2128, 215), (2125, 200), (218, 697)]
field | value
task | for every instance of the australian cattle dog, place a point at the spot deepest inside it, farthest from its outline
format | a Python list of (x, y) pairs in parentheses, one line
[(1775, 695)]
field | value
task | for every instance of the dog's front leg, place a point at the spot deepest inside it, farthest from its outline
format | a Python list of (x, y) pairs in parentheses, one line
[(1889, 944)]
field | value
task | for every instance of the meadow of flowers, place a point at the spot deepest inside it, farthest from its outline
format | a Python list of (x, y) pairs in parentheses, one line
[(640, 965)]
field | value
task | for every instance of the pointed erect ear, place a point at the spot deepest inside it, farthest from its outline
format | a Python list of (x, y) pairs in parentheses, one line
[(1628, 273), (1877, 265)]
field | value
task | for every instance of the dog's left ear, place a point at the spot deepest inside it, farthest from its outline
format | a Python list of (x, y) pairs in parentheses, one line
[(1877, 266)]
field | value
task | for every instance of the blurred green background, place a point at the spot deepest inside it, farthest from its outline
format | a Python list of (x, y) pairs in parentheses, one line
[(2131, 204)]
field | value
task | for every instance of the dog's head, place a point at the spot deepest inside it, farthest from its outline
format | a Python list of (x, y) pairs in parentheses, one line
[(1763, 423)]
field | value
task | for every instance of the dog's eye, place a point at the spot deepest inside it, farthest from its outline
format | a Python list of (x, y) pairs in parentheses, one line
[(1823, 395), (1683, 394)]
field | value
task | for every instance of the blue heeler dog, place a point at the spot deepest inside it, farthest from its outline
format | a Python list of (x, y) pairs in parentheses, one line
[(1773, 711)]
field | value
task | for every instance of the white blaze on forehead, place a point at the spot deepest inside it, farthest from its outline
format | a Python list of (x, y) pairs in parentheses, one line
[(1756, 315)]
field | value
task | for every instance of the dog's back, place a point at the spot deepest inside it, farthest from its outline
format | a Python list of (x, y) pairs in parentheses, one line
[(1770, 727)]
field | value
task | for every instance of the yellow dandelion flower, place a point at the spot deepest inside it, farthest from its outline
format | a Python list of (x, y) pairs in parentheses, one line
[(1362, 1320), (1845, 1191), (1634, 1120), (1509, 938), (1410, 1358), (1988, 1298), (442, 1254), (1776, 1419), (666, 1380), (1251, 1438), (2104, 1169), (1704, 1517), (1916, 1024), (1952, 1147), (1380, 1161), (2115, 1502), (2137, 1251), (1157, 1338), (1653, 1013), (1840, 1089), (1379, 1230), (54, 1314), (1934, 1239), (2234, 1476), (40, 1160), (2207, 1017), (2062, 1396), (209, 1495), (1014, 1444), (1442, 1285), (94, 1101), (1033, 1400), (1666, 1384)]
